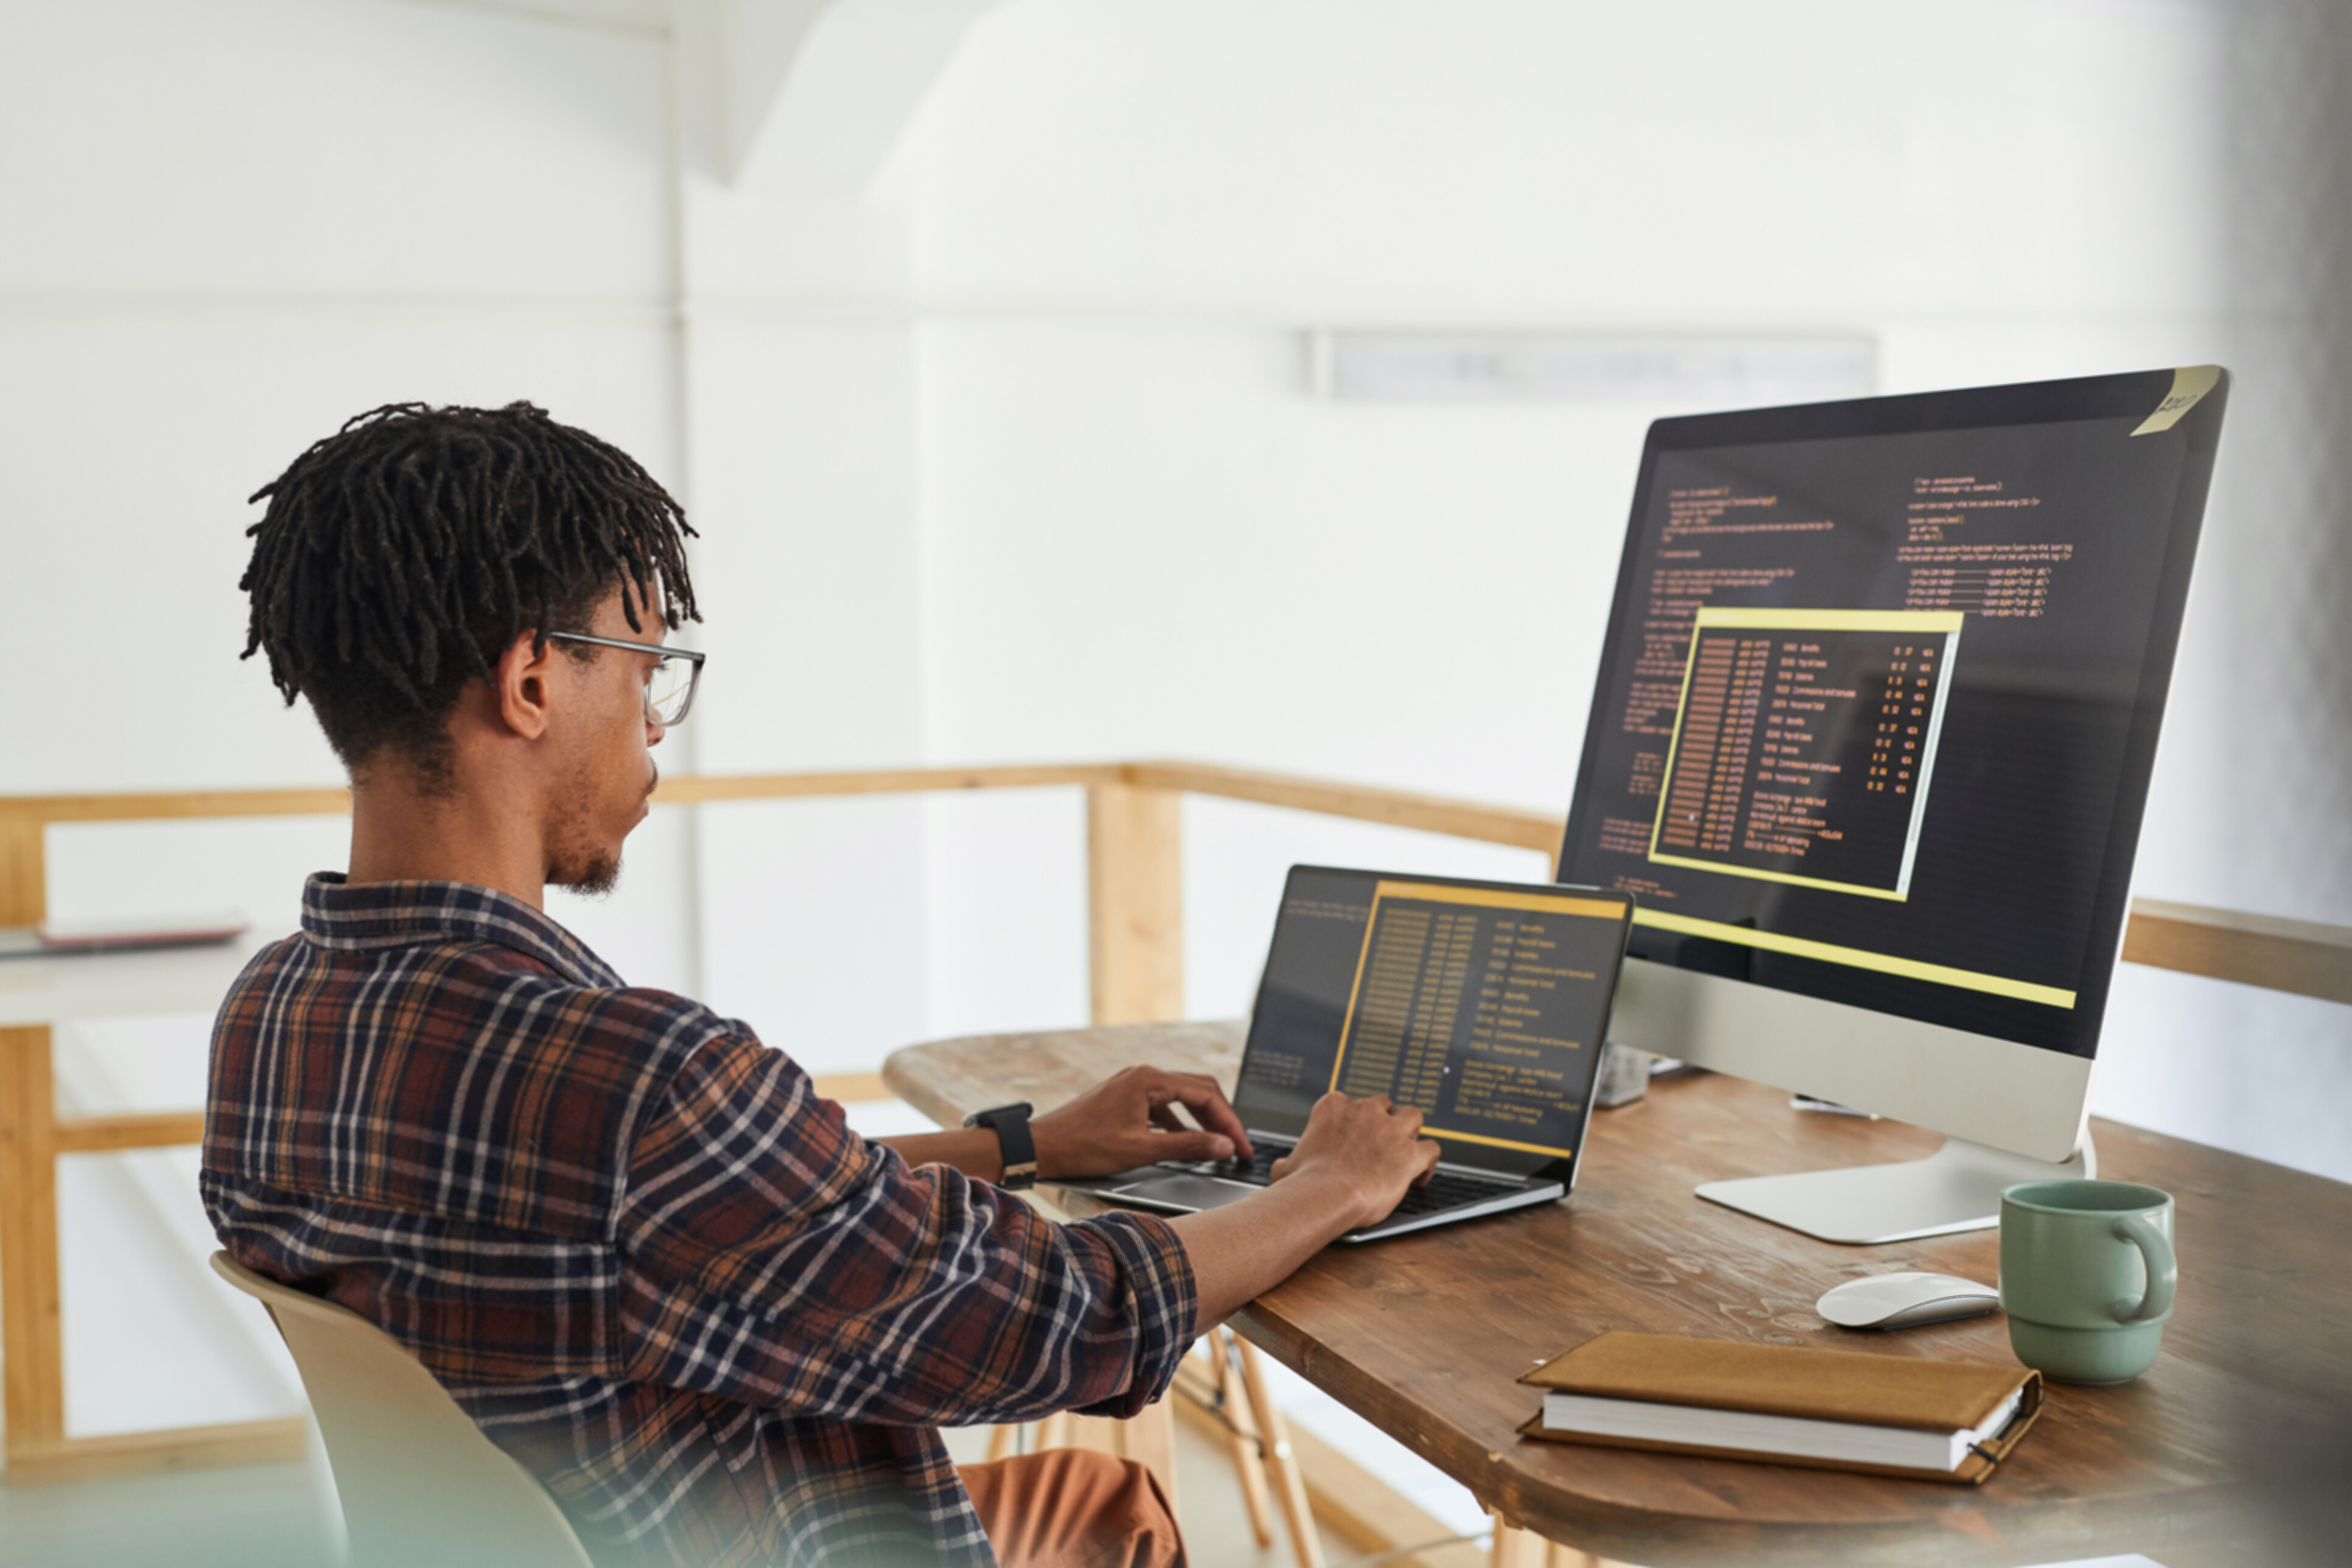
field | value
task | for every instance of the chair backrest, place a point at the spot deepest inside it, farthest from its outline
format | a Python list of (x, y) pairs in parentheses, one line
[(419, 1482)]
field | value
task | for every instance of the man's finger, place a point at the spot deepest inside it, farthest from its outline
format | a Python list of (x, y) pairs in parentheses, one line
[(1207, 1103), (1193, 1146), (1429, 1150), (1164, 1116)]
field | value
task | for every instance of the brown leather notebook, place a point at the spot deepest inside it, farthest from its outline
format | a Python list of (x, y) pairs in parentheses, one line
[(1793, 1383)]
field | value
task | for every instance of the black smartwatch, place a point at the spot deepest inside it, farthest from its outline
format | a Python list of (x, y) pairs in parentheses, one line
[(1011, 1125)]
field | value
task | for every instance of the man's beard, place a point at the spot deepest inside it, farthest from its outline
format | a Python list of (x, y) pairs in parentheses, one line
[(579, 864), (593, 877)]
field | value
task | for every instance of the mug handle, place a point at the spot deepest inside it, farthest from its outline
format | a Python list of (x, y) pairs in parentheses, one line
[(2163, 1268)]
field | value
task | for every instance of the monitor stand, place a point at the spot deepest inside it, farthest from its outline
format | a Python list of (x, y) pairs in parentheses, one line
[(1955, 1188)]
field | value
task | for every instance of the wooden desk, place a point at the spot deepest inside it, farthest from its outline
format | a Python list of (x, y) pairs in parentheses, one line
[(1425, 1335)]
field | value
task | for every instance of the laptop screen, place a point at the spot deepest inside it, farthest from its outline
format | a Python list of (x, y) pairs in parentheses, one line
[(1483, 1004)]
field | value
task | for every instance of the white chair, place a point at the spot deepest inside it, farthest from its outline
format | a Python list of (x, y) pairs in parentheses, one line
[(419, 1482)]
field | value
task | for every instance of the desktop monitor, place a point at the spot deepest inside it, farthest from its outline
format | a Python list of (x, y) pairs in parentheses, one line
[(1872, 737)]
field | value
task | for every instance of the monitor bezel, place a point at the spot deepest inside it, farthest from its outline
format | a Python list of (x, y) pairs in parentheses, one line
[(2131, 394)]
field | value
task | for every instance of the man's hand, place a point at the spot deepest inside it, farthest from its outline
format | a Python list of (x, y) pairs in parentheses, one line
[(1370, 1148), (1130, 1120), (1352, 1165)]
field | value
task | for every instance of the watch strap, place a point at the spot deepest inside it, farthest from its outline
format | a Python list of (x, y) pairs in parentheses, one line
[(1014, 1143)]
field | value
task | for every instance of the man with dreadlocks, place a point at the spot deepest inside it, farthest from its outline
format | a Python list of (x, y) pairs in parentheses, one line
[(630, 1239)]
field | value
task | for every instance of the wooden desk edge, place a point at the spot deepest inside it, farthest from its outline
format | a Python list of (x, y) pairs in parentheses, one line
[(2008, 1533)]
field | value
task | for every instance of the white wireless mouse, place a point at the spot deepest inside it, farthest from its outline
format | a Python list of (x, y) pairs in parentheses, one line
[(1905, 1300)]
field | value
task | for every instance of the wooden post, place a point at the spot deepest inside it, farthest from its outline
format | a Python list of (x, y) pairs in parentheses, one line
[(23, 868), (30, 1336), (1135, 890), (29, 1323)]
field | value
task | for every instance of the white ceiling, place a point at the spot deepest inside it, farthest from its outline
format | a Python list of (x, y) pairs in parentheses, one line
[(803, 95)]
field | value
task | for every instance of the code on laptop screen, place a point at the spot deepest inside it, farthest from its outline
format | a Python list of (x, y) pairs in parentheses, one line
[(1482, 1006)]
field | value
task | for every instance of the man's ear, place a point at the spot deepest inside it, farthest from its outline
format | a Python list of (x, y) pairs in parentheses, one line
[(519, 681)]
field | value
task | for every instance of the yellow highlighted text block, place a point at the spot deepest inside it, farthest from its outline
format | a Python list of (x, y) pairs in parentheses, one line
[(1857, 958)]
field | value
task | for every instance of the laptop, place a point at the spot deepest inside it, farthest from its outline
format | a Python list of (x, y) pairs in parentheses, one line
[(1485, 1004)]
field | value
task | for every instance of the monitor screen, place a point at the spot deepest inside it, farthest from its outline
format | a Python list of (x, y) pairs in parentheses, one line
[(1879, 695), (1483, 1003)]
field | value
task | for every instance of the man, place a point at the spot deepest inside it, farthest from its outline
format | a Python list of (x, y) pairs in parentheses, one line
[(631, 1240)]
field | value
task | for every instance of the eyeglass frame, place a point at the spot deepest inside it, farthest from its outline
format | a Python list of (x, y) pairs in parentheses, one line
[(660, 650)]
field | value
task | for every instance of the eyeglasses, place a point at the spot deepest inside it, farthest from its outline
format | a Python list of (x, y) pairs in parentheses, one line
[(669, 689)]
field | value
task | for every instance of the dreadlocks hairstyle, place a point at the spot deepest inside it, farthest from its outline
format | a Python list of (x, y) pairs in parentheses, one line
[(401, 554)]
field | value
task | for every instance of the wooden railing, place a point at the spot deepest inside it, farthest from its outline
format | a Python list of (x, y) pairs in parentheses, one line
[(1134, 879), (1135, 909)]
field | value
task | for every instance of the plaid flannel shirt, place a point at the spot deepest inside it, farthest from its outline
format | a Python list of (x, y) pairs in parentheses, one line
[(640, 1250)]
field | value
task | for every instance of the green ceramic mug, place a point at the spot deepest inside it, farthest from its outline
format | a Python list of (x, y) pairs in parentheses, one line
[(2088, 1275)]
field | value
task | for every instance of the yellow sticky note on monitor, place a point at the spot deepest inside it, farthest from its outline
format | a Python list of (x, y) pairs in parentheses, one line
[(2190, 382)]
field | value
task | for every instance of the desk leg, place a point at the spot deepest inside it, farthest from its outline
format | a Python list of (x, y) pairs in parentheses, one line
[(1281, 1463), (29, 1329), (1517, 1548), (1242, 1439)]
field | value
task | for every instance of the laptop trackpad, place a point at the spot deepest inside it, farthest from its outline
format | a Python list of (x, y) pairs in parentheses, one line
[(1182, 1191)]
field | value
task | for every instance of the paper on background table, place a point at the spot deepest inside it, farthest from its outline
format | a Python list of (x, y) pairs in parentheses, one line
[(57, 990), (147, 930)]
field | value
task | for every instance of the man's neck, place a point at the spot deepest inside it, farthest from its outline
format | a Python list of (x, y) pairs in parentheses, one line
[(401, 832)]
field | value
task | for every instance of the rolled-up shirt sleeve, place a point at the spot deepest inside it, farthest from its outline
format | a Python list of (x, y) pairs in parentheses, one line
[(771, 1255)]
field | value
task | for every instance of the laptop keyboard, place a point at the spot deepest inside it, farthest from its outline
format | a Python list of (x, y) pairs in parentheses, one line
[(1443, 1190)]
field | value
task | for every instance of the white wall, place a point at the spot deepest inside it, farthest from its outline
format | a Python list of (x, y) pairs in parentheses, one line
[(1521, 161), (804, 488)]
